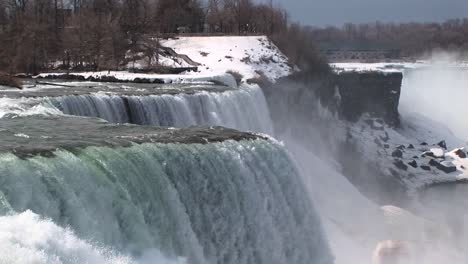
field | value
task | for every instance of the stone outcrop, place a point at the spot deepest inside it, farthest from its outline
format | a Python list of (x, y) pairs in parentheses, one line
[(375, 93)]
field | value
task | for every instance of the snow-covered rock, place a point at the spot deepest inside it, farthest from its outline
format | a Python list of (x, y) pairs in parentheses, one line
[(417, 166)]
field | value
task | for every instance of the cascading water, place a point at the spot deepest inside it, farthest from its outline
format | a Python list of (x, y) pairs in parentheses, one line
[(227, 202), (244, 109)]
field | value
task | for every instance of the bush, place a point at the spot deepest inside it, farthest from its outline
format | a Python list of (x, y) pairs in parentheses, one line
[(8, 80), (237, 76), (261, 80)]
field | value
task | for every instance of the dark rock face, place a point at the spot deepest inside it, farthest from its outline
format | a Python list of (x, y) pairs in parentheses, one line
[(370, 92)]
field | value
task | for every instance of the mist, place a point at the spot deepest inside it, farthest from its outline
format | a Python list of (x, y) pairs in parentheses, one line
[(438, 92), (356, 223)]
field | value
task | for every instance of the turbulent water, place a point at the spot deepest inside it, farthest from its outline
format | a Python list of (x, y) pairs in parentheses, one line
[(229, 202), (86, 194)]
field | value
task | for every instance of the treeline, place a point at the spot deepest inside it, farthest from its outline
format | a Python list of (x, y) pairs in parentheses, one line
[(412, 39), (100, 34)]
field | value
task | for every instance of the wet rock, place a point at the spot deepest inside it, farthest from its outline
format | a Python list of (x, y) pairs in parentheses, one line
[(401, 147), (425, 167), (442, 144), (424, 144), (400, 165), (415, 157), (387, 146), (413, 164), (460, 153), (397, 154), (410, 146)]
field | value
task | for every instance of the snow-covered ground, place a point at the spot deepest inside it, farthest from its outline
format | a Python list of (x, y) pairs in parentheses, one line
[(251, 56), (248, 55), (392, 66)]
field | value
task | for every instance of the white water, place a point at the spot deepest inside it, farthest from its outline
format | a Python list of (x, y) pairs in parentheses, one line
[(231, 202), (244, 109), (27, 238)]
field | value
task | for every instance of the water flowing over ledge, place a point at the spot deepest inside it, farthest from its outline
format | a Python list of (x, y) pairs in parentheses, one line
[(225, 202), (164, 105)]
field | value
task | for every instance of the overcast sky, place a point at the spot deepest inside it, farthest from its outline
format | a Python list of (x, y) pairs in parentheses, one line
[(338, 12)]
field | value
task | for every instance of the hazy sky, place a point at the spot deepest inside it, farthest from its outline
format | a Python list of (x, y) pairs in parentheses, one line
[(338, 12)]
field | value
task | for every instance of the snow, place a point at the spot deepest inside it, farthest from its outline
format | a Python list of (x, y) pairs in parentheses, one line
[(438, 152), (247, 55), (369, 67), (388, 67)]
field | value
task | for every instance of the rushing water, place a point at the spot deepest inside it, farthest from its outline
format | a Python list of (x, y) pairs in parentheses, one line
[(228, 202), (75, 190), (243, 109)]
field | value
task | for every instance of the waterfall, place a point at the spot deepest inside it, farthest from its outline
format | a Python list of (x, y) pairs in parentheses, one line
[(228, 202), (244, 109)]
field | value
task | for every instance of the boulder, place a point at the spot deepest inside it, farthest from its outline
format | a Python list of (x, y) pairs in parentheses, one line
[(413, 164), (424, 144), (460, 153), (400, 165), (397, 154), (425, 167), (411, 146), (434, 163), (442, 144), (445, 166)]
